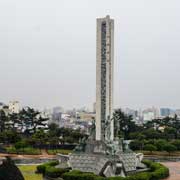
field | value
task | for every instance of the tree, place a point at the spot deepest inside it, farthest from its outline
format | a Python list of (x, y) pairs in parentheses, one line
[(40, 137), (32, 119), (21, 145), (175, 124), (53, 130), (152, 134), (3, 120), (170, 133), (170, 148), (160, 143), (11, 136), (14, 119), (123, 124), (136, 145), (150, 147), (177, 144)]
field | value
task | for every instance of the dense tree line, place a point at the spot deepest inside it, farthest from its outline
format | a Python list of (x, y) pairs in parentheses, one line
[(29, 129), (27, 120), (158, 134)]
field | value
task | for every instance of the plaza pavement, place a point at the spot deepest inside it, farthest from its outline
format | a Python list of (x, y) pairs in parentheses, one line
[(174, 168)]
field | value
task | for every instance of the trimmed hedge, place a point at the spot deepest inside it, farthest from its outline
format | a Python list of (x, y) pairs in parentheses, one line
[(42, 168), (54, 172), (78, 175), (49, 169), (157, 171)]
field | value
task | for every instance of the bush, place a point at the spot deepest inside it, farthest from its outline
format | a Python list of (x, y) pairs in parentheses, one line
[(49, 170), (26, 150), (160, 144), (53, 172), (136, 145), (20, 144), (140, 176), (158, 171), (52, 163), (170, 148), (177, 144), (150, 147), (78, 175), (115, 178), (11, 150), (42, 168), (61, 151)]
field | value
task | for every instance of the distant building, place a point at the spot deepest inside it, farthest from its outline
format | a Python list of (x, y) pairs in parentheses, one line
[(1, 105), (177, 112), (58, 109), (131, 112), (148, 116), (94, 107), (165, 112), (85, 116), (57, 115), (14, 106)]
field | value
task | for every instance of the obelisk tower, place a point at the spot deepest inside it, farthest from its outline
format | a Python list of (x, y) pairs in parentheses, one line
[(104, 79)]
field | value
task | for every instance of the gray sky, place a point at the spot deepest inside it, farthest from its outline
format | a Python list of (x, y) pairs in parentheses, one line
[(47, 51)]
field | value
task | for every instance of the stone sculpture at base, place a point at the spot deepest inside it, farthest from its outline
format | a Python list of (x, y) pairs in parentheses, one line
[(105, 159)]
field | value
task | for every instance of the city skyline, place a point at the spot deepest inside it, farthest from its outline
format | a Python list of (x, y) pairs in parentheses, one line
[(43, 59)]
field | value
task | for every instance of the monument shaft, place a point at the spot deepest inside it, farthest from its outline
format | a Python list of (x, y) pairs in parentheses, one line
[(105, 155), (104, 79)]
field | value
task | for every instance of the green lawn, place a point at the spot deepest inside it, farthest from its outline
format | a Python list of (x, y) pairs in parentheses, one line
[(27, 150), (160, 153), (61, 151), (28, 172)]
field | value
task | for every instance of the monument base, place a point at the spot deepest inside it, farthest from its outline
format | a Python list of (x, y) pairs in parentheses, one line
[(105, 159)]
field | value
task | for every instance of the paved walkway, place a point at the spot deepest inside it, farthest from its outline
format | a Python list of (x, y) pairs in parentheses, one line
[(174, 168)]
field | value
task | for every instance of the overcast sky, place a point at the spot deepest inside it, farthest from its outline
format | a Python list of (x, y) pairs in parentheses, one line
[(48, 52)]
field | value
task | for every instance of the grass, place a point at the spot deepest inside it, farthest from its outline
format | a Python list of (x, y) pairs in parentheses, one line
[(27, 150), (61, 151), (160, 153), (28, 172)]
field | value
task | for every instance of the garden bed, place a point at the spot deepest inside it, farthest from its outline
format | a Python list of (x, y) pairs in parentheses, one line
[(156, 172)]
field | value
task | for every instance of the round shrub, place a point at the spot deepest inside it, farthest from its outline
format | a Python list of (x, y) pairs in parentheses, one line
[(42, 168), (52, 163), (54, 172), (78, 175)]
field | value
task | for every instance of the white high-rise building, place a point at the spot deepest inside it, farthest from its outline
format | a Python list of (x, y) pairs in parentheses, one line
[(104, 79), (14, 106)]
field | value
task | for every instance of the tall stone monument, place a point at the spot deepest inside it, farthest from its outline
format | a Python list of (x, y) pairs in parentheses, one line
[(104, 79), (101, 153)]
